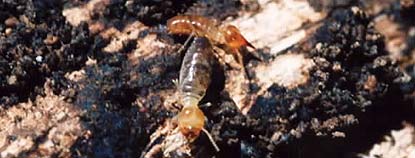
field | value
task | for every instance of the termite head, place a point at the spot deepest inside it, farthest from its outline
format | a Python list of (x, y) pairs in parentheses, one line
[(191, 121), (234, 38), (179, 25)]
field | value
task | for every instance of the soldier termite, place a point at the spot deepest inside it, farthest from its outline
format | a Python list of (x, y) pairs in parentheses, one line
[(193, 25), (209, 28)]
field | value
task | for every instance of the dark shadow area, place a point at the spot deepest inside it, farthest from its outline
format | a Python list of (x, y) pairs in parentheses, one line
[(385, 115)]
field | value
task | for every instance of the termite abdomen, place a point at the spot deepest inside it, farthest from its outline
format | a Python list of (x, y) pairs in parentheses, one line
[(196, 70), (195, 77)]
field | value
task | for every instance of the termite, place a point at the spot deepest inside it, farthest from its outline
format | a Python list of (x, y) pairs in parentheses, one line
[(194, 79), (200, 26)]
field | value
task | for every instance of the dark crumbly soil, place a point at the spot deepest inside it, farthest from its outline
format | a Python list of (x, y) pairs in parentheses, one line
[(122, 100), (26, 61)]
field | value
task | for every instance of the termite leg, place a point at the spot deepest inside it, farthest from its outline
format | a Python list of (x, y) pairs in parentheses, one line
[(171, 101), (254, 54), (211, 140), (223, 57), (176, 83), (208, 104), (186, 42), (239, 57)]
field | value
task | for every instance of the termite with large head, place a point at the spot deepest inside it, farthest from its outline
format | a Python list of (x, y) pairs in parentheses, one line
[(227, 35)]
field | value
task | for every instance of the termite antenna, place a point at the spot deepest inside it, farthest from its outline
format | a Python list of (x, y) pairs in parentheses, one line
[(186, 42), (211, 139)]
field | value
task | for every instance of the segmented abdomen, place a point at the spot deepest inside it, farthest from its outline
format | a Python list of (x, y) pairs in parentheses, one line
[(196, 71)]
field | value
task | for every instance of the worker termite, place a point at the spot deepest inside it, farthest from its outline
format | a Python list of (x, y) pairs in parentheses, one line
[(224, 35), (194, 79)]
